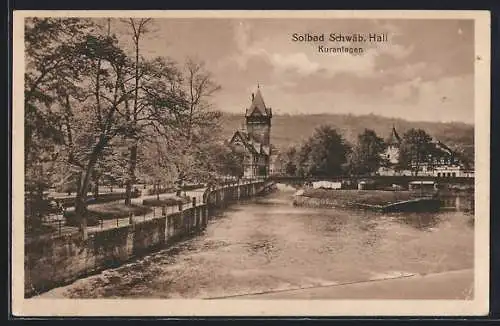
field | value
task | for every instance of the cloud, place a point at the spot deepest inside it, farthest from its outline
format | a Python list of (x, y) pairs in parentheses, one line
[(296, 61), (445, 99), (305, 59), (407, 77), (246, 49), (405, 92)]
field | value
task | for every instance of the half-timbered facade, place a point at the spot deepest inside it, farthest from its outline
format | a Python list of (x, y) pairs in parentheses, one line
[(442, 162)]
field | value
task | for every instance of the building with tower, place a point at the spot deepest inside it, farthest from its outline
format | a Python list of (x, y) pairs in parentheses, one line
[(254, 138), (444, 162), (392, 151)]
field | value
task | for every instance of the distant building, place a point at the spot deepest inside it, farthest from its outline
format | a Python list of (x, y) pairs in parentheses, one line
[(392, 150), (443, 163), (254, 139), (326, 185)]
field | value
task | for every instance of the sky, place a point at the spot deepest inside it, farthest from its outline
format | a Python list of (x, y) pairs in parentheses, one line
[(425, 72)]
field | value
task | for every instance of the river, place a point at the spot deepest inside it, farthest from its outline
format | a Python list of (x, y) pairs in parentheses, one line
[(266, 245)]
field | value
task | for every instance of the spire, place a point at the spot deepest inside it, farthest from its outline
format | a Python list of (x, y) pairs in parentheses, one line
[(394, 137), (258, 106)]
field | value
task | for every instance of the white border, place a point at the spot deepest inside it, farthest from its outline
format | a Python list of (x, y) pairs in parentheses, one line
[(125, 307)]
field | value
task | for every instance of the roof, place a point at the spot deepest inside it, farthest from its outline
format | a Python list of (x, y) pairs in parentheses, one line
[(394, 137), (258, 107), (254, 146)]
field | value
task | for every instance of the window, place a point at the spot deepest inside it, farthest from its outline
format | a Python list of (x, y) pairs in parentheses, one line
[(439, 174), (454, 174)]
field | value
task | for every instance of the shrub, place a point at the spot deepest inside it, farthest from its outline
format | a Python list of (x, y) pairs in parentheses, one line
[(192, 187)]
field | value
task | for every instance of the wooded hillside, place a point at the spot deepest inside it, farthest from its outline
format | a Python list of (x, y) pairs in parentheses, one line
[(290, 130)]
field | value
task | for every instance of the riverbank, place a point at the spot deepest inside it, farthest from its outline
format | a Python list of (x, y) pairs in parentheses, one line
[(55, 261), (374, 199)]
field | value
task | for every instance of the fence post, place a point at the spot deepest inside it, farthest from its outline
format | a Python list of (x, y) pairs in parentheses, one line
[(117, 221), (59, 227), (102, 223), (131, 218), (154, 211), (194, 201)]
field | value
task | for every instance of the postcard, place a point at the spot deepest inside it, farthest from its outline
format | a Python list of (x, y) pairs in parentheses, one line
[(250, 163)]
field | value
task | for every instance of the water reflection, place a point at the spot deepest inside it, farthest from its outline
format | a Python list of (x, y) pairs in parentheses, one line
[(457, 202), (419, 221)]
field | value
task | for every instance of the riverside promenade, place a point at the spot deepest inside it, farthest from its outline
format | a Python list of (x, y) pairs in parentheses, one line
[(57, 259), (57, 221)]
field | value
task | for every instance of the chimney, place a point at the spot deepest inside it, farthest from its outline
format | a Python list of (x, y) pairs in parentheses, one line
[(253, 96)]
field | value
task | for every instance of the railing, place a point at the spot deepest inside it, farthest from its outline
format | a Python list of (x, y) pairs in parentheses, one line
[(58, 221)]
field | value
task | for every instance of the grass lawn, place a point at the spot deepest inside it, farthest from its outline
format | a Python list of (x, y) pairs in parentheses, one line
[(368, 197)]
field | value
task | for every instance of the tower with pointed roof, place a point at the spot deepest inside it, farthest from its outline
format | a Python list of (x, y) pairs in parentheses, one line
[(393, 142), (258, 119), (255, 140)]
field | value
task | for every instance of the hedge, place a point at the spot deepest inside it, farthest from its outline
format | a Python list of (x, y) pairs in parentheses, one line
[(192, 187), (102, 198), (166, 202), (106, 212), (152, 191)]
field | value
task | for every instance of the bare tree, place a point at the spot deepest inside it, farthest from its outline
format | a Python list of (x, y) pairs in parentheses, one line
[(139, 28), (198, 120)]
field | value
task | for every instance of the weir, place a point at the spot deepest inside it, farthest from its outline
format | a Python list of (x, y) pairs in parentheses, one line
[(56, 261)]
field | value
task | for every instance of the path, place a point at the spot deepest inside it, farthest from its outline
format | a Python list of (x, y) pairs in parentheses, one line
[(61, 229)]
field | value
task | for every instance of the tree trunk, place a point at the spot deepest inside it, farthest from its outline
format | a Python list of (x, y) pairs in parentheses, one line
[(180, 182), (96, 187), (83, 185), (80, 209), (131, 174)]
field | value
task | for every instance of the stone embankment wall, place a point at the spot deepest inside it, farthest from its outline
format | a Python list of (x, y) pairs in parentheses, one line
[(52, 262)]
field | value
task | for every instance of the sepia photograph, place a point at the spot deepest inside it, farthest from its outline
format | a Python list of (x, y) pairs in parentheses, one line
[(250, 163)]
